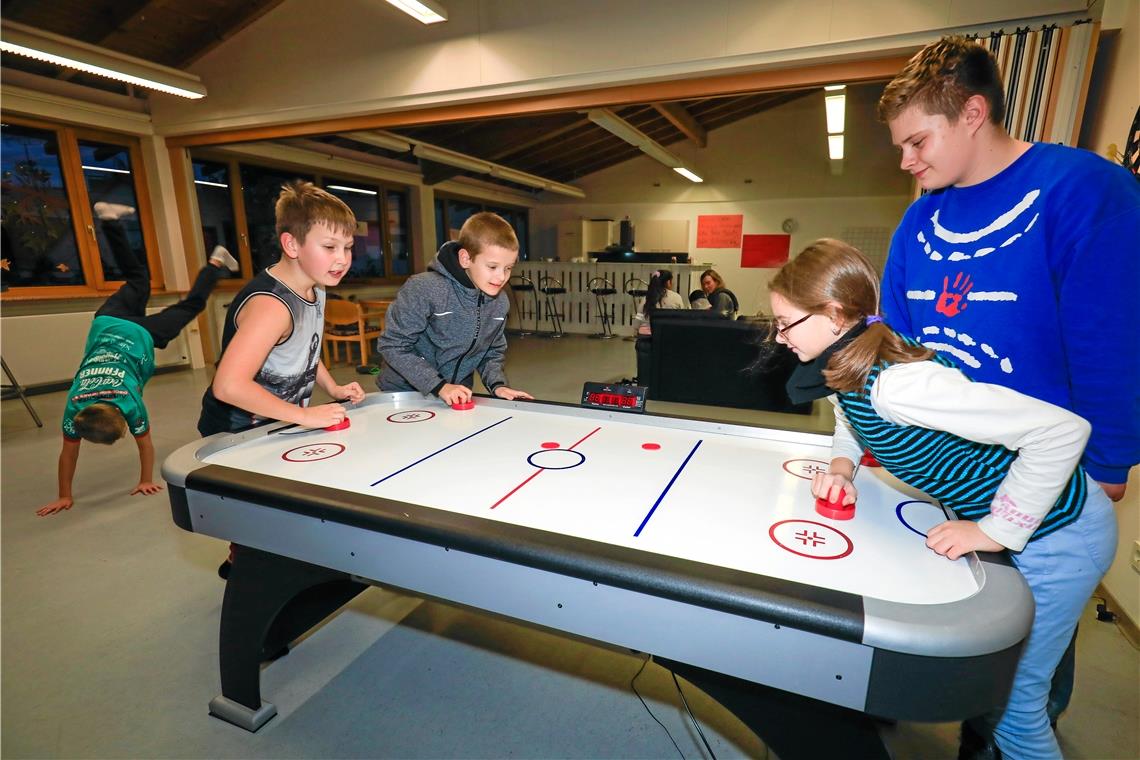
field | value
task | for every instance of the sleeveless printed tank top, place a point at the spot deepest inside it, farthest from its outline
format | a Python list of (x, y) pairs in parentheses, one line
[(290, 370)]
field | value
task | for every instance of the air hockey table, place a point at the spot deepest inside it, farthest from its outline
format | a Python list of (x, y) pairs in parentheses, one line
[(694, 541)]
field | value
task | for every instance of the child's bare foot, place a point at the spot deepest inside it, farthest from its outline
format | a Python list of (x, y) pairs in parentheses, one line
[(112, 211)]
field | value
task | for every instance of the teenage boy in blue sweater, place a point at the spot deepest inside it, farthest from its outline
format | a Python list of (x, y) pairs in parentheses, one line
[(1020, 263)]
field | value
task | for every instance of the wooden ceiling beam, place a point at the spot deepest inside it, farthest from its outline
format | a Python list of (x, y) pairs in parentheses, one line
[(205, 43), (684, 122), (675, 89), (550, 136)]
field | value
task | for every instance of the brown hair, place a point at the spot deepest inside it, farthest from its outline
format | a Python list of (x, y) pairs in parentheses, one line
[(713, 274), (485, 229), (100, 423), (941, 77), (302, 204), (833, 278)]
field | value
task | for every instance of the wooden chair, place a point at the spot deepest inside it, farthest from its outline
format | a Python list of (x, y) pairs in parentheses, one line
[(346, 322)]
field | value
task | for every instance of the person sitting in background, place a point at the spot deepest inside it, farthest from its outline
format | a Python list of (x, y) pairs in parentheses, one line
[(721, 299), (697, 300), (659, 295)]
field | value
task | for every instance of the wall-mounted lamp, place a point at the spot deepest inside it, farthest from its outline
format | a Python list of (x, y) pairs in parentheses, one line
[(424, 11), (30, 42)]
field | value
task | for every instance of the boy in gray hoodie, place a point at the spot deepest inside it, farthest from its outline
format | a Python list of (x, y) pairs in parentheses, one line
[(449, 321)]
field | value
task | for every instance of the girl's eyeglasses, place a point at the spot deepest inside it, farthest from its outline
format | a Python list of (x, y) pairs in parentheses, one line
[(784, 330)]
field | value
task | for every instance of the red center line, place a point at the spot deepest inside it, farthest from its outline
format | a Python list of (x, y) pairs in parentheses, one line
[(539, 471)]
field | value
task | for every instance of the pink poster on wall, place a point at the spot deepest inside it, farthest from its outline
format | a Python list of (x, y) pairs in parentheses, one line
[(719, 230), (765, 251)]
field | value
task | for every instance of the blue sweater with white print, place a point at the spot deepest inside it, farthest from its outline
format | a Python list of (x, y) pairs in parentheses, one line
[(1030, 280)]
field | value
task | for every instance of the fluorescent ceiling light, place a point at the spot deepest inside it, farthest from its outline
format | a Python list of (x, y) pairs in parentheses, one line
[(104, 169), (834, 87), (522, 178), (835, 106), (424, 11), (619, 127), (473, 164), (20, 39), (380, 139), (451, 158), (558, 187), (211, 184), (345, 189), (835, 146)]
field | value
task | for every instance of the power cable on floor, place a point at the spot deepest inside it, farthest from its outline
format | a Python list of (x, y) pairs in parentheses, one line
[(633, 686), (692, 717)]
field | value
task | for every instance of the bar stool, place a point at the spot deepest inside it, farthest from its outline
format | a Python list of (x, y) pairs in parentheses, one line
[(602, 290), (520, 283), (551, 288), (637, 289)]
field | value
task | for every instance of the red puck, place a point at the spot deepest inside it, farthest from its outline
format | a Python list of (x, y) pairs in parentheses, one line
[(868, 459), (339, 426), (836, 510), (463, 406)]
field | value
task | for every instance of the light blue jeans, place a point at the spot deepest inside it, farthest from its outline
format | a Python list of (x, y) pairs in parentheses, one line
[(1062, 570)]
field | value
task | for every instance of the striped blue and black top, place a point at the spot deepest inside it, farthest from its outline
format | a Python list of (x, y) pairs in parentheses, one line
[(962, 474)]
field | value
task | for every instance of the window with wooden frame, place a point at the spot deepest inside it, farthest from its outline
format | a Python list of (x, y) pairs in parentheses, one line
[(239, 215), (55, 245), (451, 212)]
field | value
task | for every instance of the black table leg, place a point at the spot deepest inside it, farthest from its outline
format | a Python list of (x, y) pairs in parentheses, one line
[(270, 600)]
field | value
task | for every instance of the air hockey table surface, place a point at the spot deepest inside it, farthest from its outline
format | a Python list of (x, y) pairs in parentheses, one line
[(694, 540)]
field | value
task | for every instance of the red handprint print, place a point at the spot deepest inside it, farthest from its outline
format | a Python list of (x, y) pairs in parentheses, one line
[(952, 301)]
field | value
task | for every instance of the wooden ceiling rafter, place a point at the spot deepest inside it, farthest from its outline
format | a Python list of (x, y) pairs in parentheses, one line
[(684, 121)]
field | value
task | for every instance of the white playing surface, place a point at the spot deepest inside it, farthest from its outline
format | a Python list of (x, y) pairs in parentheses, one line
[(738, 502)]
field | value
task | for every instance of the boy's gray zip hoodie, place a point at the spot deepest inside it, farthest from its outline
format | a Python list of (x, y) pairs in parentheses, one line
[(441, 329)]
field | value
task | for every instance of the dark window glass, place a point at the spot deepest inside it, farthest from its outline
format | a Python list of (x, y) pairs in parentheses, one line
[(260, 188), (110, 179), (367, 247), (440, 224), (517, 218), (459, 212), (399, 233), (215, 207), (38, 237)]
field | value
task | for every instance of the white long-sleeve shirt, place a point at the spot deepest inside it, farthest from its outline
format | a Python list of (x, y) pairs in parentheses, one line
[(1049, 440)]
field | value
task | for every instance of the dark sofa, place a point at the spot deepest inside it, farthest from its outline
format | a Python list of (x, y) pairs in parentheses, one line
[(698, 357)]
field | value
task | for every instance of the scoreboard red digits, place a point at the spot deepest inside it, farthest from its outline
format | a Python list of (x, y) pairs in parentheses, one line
[(629, 398), (611, 399)]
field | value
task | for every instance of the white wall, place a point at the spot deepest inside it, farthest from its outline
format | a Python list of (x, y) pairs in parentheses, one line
[(1114, 95), (783, 151), (307, 60)]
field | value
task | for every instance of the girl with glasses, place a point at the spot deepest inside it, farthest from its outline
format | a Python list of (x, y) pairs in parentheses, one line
[(1006, 464)]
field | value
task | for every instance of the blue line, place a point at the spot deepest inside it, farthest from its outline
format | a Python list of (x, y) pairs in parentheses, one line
[(662, 496), (445, 448)]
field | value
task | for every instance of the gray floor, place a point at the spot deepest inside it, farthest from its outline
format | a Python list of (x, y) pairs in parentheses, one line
[(110, 618)]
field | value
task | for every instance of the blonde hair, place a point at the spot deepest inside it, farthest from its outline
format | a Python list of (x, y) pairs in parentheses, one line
[(100, 423), (941, 77), (485, 229), (834, 278), (302, 204)]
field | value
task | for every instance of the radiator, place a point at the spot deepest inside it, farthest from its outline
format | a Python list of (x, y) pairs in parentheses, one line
[(47, 348)]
